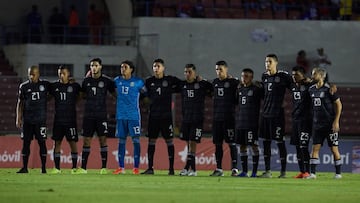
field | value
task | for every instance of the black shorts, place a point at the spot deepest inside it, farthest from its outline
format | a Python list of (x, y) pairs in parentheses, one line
[(65, 130), (90, 126), (320, 135), (247, 137), (163, 126), (224, 130), (191, 131), (29, 131), (273, 128), (301, 133)]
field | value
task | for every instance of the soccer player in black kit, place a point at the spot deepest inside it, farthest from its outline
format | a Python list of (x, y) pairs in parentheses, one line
[(193, 94), (225, 89), (95, 89), (247, 120), (66, 94), (301, 119), (159, 90), (275, 83), (326, 110), (31, 115)]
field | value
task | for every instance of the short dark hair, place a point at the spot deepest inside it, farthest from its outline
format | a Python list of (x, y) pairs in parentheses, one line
[(248, 70), (221, 63), (299, 69), (159, 61), (96, 60), (273, 56), (130, 63), (190, 65)]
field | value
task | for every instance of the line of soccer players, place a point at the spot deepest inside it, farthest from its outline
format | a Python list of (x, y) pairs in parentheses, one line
[(236, 107)]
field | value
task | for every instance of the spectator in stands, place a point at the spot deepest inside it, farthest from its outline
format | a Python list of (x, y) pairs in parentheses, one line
[(322, 59), (34, 22), (334, 9), (184, 9), (198, 10), (73, 25), (302, 61), (345, 9), (57, 24), (95, 21)]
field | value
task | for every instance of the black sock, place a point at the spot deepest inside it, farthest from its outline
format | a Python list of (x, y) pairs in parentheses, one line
[(255, 160), (171, 153), (104, 155), (151, 152), (300, 159), (84, 157), (233, 154), (283, 155), (267, 154), (338, 166), (188, 161), (244, 161), (218, 155), (306, 161), (26, 153), (74, 158), (313, 163), (193, 162), (57, 159), (43, 154)]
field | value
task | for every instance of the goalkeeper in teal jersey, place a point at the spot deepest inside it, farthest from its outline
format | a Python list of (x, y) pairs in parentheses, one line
[(128, 118)]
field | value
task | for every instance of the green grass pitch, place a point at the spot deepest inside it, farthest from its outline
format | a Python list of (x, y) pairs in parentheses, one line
[(159, 188)]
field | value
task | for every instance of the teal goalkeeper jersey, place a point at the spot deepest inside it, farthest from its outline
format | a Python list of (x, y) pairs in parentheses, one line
[(128, 93)]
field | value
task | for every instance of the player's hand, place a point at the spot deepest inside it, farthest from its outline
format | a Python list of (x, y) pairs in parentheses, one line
[(335, 127), (19, 123), (88, 74), (333, 89)]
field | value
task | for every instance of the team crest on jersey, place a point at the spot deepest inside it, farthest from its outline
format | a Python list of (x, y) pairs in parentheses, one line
[(132, 84), (250, 93), (70, 89), (226, 84), (28, 90), (277, 79), (101, 84), (302, 88), (165, 83), (196, 86), (41, 88), (322, 94), (57, 89)]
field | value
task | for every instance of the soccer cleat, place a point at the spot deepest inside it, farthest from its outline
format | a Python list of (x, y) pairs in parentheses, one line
[(80, 171), (43, 171), (171, 172), (300, 175), (311, 176), (23, 170), (103, 171), (253, 175), (119, 171), (305, 175), (192, 173), (136, 171), (148, 171), (217, 172), (282, 174), (243, 175), (55, 171), (234, 172), (73, 171), (184, 172), (266, 174), (337, 176)]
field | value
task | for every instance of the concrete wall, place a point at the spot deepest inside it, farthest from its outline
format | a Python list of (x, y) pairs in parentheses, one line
[(245, 43), (23, 56)]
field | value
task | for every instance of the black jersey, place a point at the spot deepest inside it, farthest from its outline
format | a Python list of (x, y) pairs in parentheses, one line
[(193, 100), (159, 91), (95, 90), (34, 96), (65, 96), (274, 87), (224, 98), (301, 102), (322, 106), (249, 100)]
